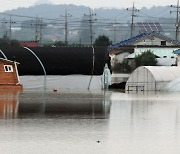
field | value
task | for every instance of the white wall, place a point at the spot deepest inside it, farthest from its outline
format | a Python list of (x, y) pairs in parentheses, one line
[(154, 41), (120, 57), (167, 57)]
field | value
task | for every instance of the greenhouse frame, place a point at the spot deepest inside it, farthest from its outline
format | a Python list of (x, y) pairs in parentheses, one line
[(152, 78)]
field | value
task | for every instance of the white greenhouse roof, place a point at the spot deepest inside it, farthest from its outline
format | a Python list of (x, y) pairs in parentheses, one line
[(164, 73), (159, 73), (152, 77), (173, 86)]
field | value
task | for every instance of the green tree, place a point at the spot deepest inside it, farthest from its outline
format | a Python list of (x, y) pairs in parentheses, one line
[(102, 40), (60, 43), (5, 41), (123, 67), (147, 58)]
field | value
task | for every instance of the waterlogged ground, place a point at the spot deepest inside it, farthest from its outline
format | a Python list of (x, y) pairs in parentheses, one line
[(89, 122)]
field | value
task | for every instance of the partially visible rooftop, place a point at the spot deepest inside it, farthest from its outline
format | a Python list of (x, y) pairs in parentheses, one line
[(177, 51), (141, 37)]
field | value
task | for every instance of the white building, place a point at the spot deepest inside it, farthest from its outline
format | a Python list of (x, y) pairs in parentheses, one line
[(165, 55), (160, 45)]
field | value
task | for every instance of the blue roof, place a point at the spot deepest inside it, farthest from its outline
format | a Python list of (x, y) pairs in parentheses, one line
[(177, 51), (140, 37)]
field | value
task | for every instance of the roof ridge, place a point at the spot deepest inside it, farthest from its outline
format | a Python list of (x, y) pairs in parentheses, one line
[(143, 35)]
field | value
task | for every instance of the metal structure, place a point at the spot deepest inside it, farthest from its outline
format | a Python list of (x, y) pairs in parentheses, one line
[(40, 64), (148, 27)]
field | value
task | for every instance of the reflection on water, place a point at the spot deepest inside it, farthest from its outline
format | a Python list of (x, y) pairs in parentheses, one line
[(62, 122), (145, 123), (49, 104), (8, 104)]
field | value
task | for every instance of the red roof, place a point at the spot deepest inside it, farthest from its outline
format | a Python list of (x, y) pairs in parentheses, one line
[(29, 44)]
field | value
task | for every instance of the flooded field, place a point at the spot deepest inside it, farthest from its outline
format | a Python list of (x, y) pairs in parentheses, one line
[(89, 122)]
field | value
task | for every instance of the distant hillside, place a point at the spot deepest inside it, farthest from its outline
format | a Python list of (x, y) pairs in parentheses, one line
[(114, 23), (54, 11)]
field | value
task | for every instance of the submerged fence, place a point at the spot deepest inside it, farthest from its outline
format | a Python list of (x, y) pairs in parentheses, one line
[(145, 86)]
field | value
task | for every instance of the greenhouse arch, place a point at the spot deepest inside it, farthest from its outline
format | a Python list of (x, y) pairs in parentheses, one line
[(152, 78)]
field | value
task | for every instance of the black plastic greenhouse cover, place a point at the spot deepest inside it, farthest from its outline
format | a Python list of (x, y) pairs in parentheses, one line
[(58, 60)]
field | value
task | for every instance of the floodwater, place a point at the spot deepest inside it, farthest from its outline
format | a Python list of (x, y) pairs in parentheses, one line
[(33, 122)]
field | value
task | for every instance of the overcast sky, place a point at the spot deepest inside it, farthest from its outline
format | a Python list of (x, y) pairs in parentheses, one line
[(13, 4)]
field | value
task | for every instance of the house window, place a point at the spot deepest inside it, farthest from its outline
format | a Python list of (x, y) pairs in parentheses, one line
[(163, 42), (8, 68)]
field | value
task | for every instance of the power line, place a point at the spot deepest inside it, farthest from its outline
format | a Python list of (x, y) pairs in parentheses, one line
[(62, 24), (177, 19), (66, 26), (90, 20), (132, 17)]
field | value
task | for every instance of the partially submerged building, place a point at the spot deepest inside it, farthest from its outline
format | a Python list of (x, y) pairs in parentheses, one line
[(174, 85), (59, 67), (156, 78), (9, 77), (152, 78), (157, 43), (177, 52)]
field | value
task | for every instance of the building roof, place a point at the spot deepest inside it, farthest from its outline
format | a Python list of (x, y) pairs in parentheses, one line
[(177, 51), (6, 60), (58, 60), (28, 43), (143, 36), (121, 49)]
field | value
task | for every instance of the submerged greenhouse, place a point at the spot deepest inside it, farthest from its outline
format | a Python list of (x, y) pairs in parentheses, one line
[(152, 78), (173, 86)]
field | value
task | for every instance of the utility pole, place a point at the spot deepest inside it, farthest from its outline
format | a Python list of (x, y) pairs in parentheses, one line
[(132, 18), (177, 19), (66, 16), (114, 34), (114, 30), (10, 22), (36, 29), (40, 31), (10, 27), (38, 24), (90, 25), (4, 22)]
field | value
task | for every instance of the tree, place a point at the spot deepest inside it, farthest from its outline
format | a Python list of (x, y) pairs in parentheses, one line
[(102, 40), (123, 67), (60, 43), (5, 41), (147, 58)]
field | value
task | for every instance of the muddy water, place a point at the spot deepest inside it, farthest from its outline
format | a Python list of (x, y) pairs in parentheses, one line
[(89, 122)]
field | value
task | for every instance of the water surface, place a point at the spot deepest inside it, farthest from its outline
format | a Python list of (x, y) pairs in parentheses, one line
[(74, 122)]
